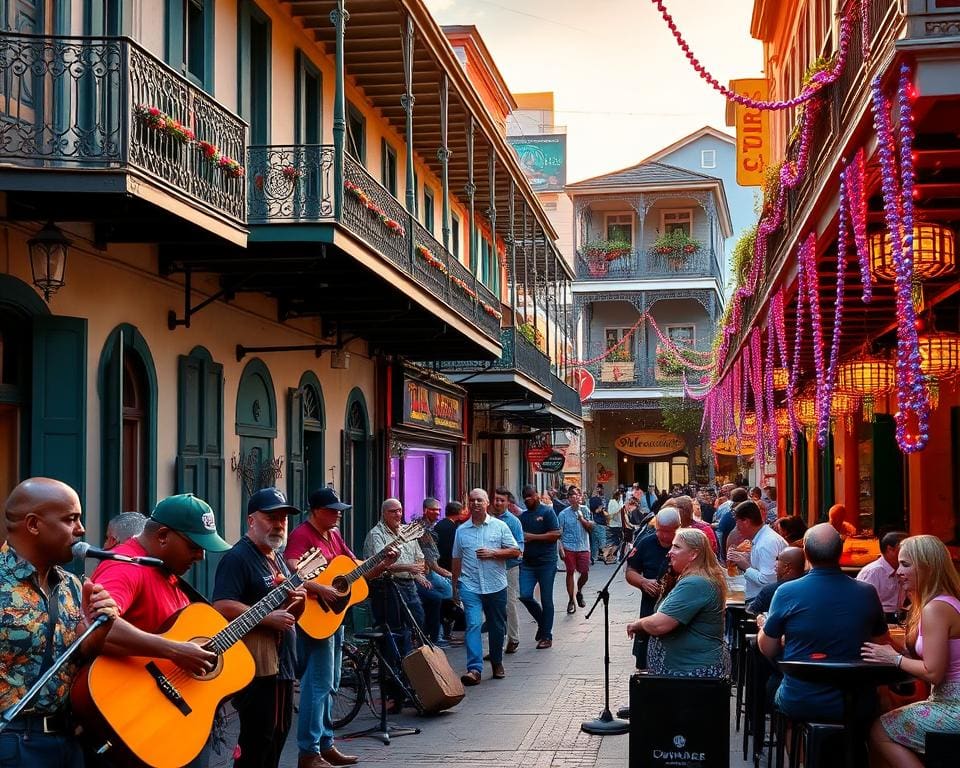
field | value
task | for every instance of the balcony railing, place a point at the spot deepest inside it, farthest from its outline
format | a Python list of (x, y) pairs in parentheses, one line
[(518, 355), (291, 183), (565, 396), (641, 265), (104, 103), (633, 374)]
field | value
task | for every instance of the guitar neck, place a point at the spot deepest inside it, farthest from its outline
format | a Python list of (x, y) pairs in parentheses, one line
[(250, 618)]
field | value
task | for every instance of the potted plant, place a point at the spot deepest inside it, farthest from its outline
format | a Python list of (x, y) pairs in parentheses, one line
[(618, 365), (669, 366), (598, 254), (676, 248), (532, 334)]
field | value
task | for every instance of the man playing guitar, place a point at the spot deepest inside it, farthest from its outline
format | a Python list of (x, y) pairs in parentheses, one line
[(320, 660)]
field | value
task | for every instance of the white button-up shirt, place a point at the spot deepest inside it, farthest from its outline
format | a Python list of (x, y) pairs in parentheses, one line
[(767, 544), (482, 576), (883, 577)]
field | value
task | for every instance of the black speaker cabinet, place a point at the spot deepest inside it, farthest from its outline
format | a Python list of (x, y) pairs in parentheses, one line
[(679, 722)]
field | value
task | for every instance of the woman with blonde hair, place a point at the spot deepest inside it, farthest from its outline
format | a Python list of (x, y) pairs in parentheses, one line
[(931, 653), (686, 630)]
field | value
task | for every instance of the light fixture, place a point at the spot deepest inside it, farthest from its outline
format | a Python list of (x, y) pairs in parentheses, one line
[(48, 259), (781, 377), (868, 375), (934, 252), (939, 360)]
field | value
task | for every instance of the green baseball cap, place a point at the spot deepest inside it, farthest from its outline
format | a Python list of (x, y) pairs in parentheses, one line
[(192, 517)]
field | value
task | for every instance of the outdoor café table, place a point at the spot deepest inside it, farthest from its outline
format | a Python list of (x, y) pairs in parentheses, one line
[(850, 677)]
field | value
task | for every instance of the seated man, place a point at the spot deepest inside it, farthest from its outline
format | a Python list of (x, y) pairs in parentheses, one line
[(882, 575), (827, 615), (790, 565)]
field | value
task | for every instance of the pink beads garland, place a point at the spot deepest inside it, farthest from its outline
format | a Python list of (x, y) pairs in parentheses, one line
[(852, 187)]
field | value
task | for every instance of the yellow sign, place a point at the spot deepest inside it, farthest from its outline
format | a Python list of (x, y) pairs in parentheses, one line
[(753, 133), (650, 443), (728, 447)]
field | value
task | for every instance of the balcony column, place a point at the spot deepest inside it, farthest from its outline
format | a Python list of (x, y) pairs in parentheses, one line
[(339, 17), (526, 268), (533, 285), (512, 245), (407, 100), (640, 209), (470, 190), (546, 293), (443, 155), (566, 326), (492, 215)]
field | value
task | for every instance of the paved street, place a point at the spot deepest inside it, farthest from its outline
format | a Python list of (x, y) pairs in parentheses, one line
[(532, 718)]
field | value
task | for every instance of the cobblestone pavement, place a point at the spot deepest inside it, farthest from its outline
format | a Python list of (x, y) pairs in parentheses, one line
[(532, 718)]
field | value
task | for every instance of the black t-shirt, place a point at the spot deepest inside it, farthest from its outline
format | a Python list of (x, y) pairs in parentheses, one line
[(444, 531), (244, 575), (540, 520), (650, 561)]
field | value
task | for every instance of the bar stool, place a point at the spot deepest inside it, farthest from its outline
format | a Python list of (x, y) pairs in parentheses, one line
[(941, 749), (743, 626), (813, 738)]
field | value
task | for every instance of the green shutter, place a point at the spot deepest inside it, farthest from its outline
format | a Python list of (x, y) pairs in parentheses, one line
[(295, 466), (111, 408), (888, 481), (174, 49), (58, 429)]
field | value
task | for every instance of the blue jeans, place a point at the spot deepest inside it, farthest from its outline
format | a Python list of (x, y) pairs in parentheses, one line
[(493, 608), (530, 577), (440, 590), (598, 540), (321, 660), (29, 746)]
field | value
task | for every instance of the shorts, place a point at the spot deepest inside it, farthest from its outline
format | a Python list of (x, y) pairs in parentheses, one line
[(577, 561)]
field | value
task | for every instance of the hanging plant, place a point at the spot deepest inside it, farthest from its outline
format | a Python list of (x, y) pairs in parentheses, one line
[(668, 364), (159, 121), (620, 354), (432, 261), (531, 334), (393, 226), (676, 247), (681, 416), (227, 164), (605, 250)]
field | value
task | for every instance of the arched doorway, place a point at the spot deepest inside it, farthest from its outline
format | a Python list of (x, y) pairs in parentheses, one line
[(256, 426), (356, 462), (305, 435)]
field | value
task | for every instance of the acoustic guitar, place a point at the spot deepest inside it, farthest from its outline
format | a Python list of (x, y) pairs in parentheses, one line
[(156, 712), (321, 619)]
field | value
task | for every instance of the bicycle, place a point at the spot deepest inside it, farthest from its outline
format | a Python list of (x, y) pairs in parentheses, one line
[(360, 677)]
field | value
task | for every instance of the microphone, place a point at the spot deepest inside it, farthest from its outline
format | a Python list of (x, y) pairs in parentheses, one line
[(83, 550)]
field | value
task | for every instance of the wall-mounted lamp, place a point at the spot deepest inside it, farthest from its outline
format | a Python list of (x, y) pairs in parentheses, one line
[(48, 259)]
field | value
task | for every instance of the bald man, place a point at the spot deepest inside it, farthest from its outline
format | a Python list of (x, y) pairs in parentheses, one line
[(42, 521), (790, 565)]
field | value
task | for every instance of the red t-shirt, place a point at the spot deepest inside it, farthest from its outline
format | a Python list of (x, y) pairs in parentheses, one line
[(146, 597), (305, 537), (707, 531)]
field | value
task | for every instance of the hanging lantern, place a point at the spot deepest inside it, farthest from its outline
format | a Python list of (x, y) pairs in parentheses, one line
[(805, 407), (781, 418), (868, 375), (939, 361), (842, 406), (933, 252), (781, 377)]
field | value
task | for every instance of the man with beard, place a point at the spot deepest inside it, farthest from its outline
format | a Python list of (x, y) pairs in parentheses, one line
[(42, 520), (244, 576)]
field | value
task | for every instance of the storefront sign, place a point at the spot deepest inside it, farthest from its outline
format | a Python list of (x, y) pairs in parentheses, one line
[(537, 455), (427, 406), (543, 159), (729, 447), (753, 133), (586, 383), (553, 463), (650, 443)]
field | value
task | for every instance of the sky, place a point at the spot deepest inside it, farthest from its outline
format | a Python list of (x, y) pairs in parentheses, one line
[(622, 86)]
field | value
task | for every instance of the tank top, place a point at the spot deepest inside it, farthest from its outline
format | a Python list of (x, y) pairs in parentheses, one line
[(953, 664)]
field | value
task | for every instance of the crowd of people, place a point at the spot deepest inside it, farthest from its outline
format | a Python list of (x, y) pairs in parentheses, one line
[(476, 568)]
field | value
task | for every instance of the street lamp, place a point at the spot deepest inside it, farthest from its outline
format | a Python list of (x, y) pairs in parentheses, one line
[(48, 259)]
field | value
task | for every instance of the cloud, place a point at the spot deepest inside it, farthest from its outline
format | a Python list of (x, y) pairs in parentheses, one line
[(435, 6)]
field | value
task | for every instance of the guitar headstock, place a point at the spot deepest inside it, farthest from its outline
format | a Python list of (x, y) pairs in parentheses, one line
[(413, 530), (310, 564)]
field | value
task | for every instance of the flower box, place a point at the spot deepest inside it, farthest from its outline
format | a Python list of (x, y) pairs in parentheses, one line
[(618, 371)]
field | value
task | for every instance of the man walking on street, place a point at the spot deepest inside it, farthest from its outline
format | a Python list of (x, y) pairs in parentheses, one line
[(575, 527), (501, 502), (481, 548), (541, 532)]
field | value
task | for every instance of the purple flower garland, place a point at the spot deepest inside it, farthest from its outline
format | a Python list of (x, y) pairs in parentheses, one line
[(853, 189)]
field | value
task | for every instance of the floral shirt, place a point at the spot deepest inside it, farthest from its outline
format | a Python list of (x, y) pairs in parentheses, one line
[(23, 631)]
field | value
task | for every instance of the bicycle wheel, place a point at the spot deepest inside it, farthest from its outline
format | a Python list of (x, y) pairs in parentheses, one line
[(348, 698)]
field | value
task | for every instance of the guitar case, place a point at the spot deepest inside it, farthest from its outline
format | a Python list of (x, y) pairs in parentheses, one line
[(432, 678)]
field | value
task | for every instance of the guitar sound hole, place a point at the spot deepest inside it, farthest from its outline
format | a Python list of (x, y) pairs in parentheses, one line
[(218, 667), (340, 584)]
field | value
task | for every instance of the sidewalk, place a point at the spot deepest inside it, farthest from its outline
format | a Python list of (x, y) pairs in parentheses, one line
[(532, 718)]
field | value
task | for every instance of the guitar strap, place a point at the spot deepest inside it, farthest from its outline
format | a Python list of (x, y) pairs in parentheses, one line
[(190, 591)]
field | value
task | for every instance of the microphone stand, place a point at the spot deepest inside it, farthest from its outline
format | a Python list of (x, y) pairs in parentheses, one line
[(8, 716), (606, 724)]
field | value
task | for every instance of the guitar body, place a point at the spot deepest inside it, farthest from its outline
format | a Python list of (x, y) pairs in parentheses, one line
[(320, 621), (162, 728)]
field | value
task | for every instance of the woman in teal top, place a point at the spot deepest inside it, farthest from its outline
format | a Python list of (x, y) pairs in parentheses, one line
[(686, 630)]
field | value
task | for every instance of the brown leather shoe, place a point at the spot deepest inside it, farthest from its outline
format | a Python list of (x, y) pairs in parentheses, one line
[(544, 644), (512, 646), (498, 672), (335, 757), (312, 761), (472, 677)]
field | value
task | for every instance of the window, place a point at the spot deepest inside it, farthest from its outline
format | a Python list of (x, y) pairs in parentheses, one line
[(356, 134), (428, 211), (673, 221), (189, 44), (388, 167), (620, 227), (135, 451), (613, 336), (683, 335), (253, 72), (308, 128), (455, 236), (708, 158)]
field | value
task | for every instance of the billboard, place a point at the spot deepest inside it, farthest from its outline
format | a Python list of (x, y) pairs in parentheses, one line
[(543, 159)]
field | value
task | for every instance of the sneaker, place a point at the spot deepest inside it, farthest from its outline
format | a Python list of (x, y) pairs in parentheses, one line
[(571, 607), (580, 601), (442, 643)]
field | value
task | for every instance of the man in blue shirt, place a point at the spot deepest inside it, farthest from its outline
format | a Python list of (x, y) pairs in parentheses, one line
[(481, 548), (575, 527), (823, 615), (541, 531), (501, 501)]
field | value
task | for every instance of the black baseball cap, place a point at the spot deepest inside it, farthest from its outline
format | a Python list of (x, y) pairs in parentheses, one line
[(326, 498), (270, 500)]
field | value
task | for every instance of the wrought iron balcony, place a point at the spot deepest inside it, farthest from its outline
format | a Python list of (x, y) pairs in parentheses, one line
[(106, 104), (565, 396), (518, 355), (632, 374), (642, 265)]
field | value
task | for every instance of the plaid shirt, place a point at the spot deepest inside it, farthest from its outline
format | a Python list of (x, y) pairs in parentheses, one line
[(23, 631)]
